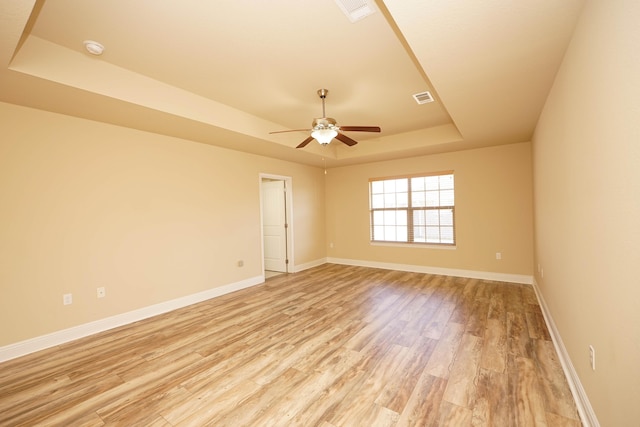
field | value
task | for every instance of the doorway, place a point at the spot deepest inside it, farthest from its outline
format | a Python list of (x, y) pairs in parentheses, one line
[(275, 208)]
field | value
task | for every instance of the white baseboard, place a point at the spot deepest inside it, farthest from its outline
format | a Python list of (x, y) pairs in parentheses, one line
[(301, 267), (32, 345), (585, 410), (484, 275)]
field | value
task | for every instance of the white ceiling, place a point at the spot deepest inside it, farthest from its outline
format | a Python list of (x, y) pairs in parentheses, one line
[(228, 72)]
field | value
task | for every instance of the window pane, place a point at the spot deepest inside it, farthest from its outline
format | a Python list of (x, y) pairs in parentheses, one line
[(389, 186), (377, 201), (402, 234), (446, 198), (377, 187), (432, 198), (431, 183), (419, 218), (417, 199), (447, 234), (433, 217), (446, 217), (378, 217), (389, 217), (401, 217), (389, 233), (417, 184), (446, 182), (390, 200), (402, 185), (433, 234), (378, 232), (402, 200)]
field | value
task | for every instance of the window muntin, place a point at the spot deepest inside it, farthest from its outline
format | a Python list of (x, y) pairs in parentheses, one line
[(413, 209)]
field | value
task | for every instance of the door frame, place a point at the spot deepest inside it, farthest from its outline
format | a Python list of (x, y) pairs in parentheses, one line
[(288, 197)]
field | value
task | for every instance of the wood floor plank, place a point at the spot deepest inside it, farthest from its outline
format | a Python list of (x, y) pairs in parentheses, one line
[(442, 358), (367, 392), (331, 346), (554, 386), (422, 408), (535, 322), (525, 389), (461, 389), (477, 320), (560, 421), (398, 390), (435, 328), (489, 408), (467, 291), (454, 415), (323, 406), (518, 341), (529, 296), (494, 347)]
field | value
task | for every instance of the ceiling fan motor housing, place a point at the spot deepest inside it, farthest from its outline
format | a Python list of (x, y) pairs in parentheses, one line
[(324, 123)]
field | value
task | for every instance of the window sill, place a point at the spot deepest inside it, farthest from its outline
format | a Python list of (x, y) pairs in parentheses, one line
[(415, 245)]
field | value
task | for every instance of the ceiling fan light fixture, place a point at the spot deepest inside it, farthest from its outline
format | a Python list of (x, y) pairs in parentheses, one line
[(324, 136), (324, 129)]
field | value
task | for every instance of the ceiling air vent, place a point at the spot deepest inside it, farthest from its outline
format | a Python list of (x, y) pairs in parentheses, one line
[(356, 9), (423, 97)]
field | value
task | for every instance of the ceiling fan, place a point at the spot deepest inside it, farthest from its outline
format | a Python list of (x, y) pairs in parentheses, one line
[(324, 129)]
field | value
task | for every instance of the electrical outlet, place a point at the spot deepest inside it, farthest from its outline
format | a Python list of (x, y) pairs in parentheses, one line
[(592, 357), (101, 292), (67, 299), (241, 263), (498, 255)]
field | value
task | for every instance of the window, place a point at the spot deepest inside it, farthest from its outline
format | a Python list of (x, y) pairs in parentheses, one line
[(413, 209)]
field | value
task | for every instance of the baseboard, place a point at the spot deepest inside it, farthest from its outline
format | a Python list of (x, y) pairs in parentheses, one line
[(585, 410), (484, 275), (60, 337), (301, 267)]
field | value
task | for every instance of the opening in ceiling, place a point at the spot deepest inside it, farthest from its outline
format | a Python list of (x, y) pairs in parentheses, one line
[(356, 9), (423, 97)]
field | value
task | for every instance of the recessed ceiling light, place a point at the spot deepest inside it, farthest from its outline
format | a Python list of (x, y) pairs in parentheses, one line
[(94, 48)]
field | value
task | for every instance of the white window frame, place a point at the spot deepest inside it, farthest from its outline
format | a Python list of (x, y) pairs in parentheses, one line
[(396, 204)]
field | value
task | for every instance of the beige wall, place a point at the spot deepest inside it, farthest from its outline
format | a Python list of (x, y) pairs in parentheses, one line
[(493, 211), (150, 218), (587, 206)]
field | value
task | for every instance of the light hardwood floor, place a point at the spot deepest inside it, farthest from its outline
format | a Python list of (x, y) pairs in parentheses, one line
[(330, 346)]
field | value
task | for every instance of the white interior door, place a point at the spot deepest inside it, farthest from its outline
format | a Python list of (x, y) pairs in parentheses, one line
[(274, 223)]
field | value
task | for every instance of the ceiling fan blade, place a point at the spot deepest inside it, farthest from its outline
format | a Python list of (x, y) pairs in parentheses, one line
[(292, 130), (360, 128), (305, 142), (346, 139)]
